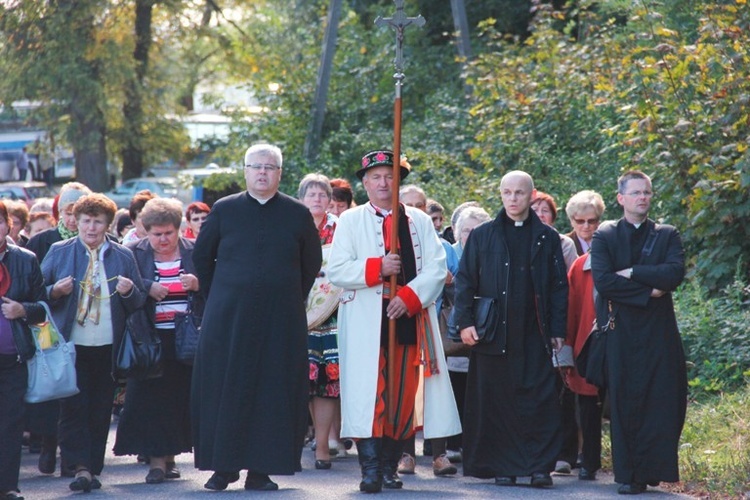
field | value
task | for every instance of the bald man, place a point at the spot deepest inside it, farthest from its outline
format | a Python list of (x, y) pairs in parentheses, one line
[(512, 416)]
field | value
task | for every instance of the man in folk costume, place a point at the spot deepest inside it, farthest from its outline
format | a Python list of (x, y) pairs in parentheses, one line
[(636, 265), (362, 262)]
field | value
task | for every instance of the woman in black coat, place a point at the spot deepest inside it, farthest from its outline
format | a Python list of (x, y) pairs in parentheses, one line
[(21, 287)]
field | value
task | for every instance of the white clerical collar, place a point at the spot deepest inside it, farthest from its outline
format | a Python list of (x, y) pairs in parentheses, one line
[(262, 201)]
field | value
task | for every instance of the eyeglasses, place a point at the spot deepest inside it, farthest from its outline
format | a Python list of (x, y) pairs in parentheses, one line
[(590, 222), (638, 194), (267, 167)]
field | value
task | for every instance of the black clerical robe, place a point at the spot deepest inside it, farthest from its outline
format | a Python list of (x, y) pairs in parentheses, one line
[(257, 263), (647, 377), (512, 422)]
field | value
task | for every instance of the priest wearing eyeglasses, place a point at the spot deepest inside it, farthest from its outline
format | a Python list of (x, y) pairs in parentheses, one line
[(256, 257)]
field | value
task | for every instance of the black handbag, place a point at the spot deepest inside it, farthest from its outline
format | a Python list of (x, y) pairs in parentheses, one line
[(486, 317), (187, 332), (139, 355), (591, 362)]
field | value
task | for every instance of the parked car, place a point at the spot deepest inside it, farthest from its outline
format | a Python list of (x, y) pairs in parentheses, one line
[(27, 191), (166, 187)]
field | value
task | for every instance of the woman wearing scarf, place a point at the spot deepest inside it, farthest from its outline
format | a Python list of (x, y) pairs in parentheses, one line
[(21, 287), (41, 418), (93, 284)]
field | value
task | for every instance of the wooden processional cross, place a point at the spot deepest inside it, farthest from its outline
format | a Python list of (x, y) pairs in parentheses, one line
[(399, 22)]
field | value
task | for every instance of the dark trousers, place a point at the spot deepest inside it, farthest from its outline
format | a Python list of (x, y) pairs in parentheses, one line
[(458, 383), (13, 379), (591, 429), (569, 451), (85, 417)]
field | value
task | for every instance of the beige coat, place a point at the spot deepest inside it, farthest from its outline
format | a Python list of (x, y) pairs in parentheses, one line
[(359, 237)]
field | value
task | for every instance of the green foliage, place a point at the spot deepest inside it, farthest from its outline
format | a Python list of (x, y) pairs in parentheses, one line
[(716, 336), (657, 93), (714, 454)]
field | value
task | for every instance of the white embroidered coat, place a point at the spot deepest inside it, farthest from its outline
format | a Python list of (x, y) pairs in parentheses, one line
[(358, 237)]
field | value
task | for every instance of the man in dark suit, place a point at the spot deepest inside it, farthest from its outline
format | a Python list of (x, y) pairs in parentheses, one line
[(636, 264)]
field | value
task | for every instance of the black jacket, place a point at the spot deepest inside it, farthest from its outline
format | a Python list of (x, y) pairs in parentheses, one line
[(27, 287), (483, 272)]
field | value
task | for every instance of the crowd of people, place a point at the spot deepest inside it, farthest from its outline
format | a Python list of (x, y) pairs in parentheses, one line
[(468, 333)]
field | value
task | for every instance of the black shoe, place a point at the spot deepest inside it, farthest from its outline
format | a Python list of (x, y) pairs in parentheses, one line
[(505, 480), (392, 481), (81, 483), (172, 471), (391, 452), (322, 464), (631, 488), (95, 483), (541, 480), (11, 495), (47, 460), (586, 475), (155, 476), (259, 482), (220, 480)]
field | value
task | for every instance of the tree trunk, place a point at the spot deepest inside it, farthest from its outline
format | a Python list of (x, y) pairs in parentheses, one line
[(132, 110), (89, 142)]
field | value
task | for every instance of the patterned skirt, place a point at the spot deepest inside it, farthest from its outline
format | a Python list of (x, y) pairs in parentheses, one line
[(323, 354)]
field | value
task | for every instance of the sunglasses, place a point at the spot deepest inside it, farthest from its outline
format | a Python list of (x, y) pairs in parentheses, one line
[(590, 222)]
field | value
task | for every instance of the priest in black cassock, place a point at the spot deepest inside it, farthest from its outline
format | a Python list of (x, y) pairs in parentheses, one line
[(256, 257), (636, 265), (512, 423)]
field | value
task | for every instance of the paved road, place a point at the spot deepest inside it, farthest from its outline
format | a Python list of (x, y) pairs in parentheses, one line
[(124, 478)]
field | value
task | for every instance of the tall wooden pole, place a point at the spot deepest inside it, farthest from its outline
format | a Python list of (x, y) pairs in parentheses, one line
[(315, 132), (398, 22)]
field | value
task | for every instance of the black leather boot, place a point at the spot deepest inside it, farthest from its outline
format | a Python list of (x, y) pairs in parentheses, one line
[(390, 456), (369, 460)]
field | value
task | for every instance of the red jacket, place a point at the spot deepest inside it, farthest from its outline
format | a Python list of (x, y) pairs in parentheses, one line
[(581, 315)]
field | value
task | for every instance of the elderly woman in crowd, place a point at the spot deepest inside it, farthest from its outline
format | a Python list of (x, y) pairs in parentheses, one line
[(42, 418), (546, 209), (195, 214), (470, 217), (66, 225), (21, 286), (342, 197), (315, 194), (585, 211), (93, 284), (156, 419)]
